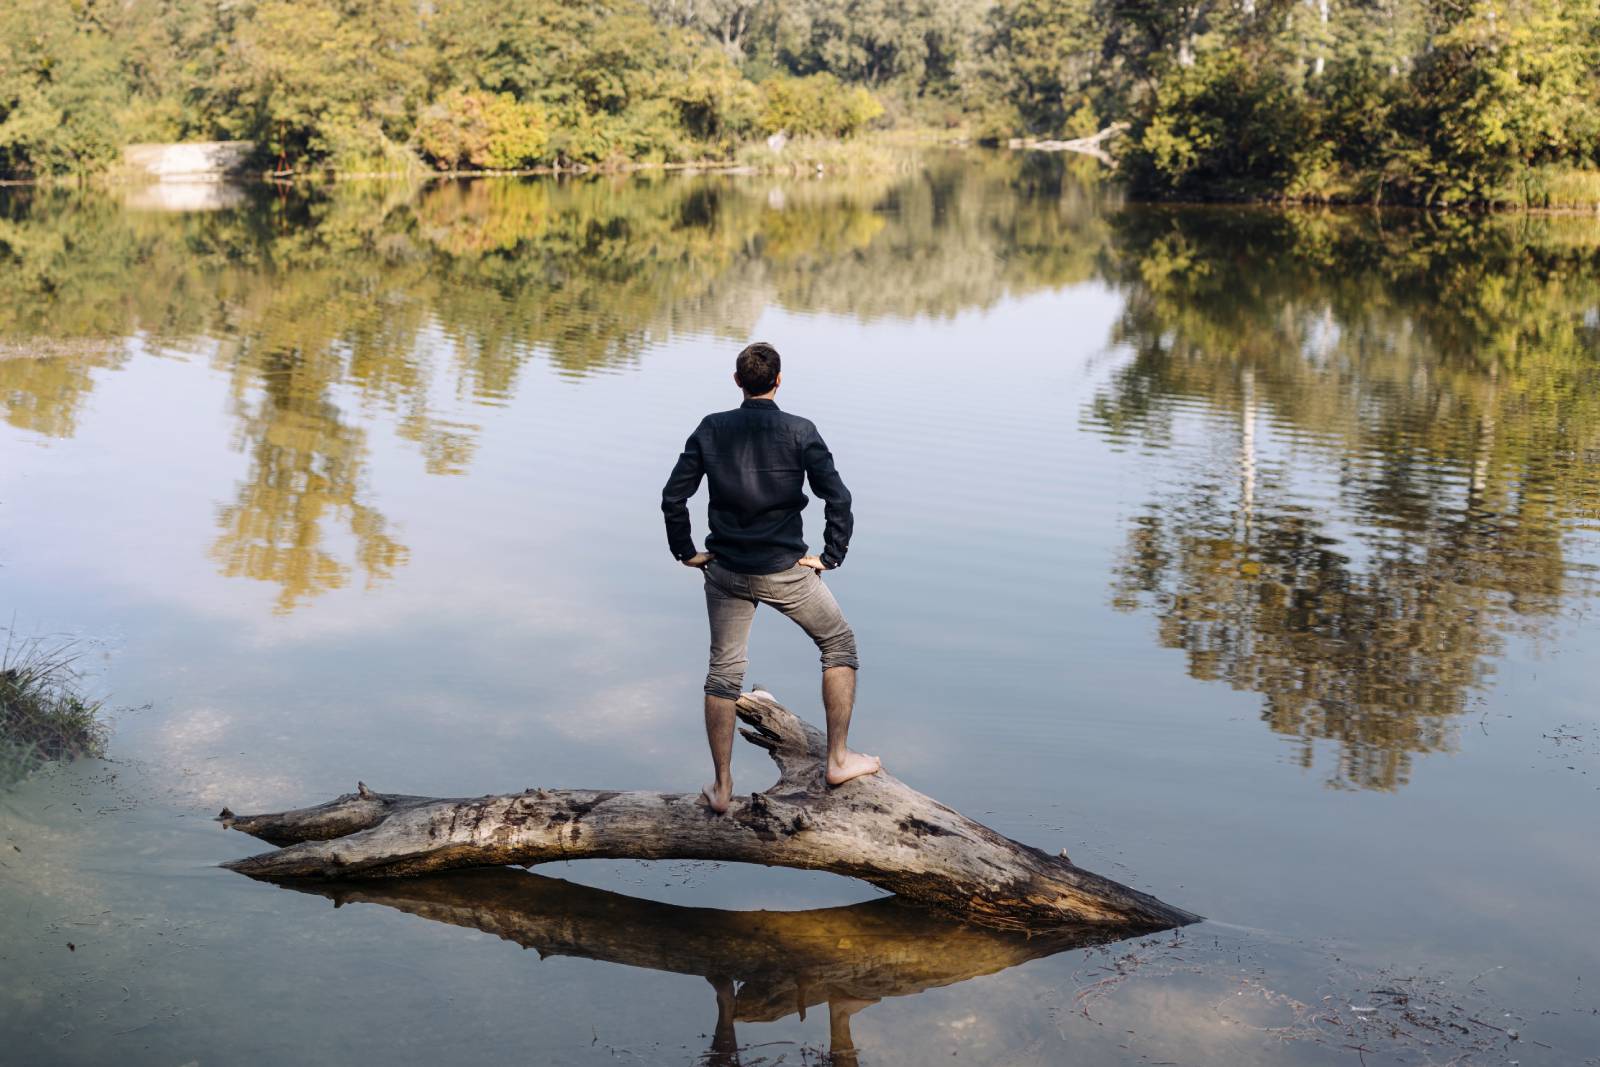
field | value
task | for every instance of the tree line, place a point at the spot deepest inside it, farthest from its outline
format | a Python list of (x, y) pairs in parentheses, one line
[(379, 84), (1422, 101)]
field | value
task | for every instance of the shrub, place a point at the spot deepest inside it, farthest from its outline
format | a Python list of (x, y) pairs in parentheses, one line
[(816, 105), (492, 131), (1223, 127), (717, 106), (1356, 101)]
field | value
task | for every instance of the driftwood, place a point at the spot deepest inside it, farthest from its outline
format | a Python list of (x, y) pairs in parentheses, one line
[(762, 965), (1093, 145), (875, 828)]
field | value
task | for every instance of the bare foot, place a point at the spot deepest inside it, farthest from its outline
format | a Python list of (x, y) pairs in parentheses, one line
[(854, 765), (717, 798)]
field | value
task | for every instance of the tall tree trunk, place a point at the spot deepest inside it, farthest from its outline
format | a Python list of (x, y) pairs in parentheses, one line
[(1322, 40)]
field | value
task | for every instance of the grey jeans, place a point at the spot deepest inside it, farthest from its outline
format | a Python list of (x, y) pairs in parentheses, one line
[(798, 592)]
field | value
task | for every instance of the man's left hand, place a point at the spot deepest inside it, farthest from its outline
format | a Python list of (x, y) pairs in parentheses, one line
[(699, 560)]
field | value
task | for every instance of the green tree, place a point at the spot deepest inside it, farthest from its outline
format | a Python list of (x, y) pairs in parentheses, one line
[(816, 106), (919, 45), (728, 22), (1504, 88), (1222, 127), (1047, 52), (175, 60), (60, 88), (335, 80), (614, 82)]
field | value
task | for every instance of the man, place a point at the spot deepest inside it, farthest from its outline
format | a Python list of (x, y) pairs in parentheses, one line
[(756, 458)]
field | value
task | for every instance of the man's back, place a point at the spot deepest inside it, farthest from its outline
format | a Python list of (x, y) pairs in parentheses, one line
[(756, 459)]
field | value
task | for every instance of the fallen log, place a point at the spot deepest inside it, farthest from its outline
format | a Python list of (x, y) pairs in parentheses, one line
[(762, 965), (875, 828), (1093, 145)]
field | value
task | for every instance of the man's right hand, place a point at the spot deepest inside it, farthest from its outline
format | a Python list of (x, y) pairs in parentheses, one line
[(699, 560)]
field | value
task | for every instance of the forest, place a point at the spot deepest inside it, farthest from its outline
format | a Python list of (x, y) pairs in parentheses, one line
[(1439, 102)]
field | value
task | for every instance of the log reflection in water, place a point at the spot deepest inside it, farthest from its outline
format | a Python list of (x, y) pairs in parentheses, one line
[(763, 965)]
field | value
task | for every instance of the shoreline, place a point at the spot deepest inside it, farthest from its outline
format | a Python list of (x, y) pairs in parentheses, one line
[(812, 159), (861, 154), (1287, 204)]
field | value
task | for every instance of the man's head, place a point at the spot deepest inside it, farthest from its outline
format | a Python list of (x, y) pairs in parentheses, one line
[(758, 369)]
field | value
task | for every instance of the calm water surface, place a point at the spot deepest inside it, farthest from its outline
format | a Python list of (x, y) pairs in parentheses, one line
[(1249, 556)]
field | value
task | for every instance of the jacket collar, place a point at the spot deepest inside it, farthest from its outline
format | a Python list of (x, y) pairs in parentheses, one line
[(760, 404)]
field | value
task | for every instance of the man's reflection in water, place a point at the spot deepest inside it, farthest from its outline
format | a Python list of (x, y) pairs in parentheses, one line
[(762, 965), (725, 1042)]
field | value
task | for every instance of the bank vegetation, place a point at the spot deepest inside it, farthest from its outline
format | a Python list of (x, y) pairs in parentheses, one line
[(1436, 102), (44, 715)]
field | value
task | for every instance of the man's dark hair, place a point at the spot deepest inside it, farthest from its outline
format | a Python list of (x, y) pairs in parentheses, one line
[(757, 368)]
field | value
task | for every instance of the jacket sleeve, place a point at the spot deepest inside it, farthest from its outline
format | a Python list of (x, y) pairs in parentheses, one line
[(838, 523), (681, 485)]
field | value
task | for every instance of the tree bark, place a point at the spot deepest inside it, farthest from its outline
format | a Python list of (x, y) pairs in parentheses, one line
[(875, 828)]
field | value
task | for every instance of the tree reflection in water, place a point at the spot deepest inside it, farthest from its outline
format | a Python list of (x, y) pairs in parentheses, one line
[(323, 305), (762, 965), (1443, 368), (1445, 373)]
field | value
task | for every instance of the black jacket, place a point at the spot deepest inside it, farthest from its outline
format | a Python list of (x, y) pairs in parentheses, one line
[(756, 458)]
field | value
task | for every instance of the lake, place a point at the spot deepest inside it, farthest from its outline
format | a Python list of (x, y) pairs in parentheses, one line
[(1248, 555)]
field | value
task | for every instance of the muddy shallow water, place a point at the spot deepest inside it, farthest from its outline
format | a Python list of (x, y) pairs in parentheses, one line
[(1248, 556)]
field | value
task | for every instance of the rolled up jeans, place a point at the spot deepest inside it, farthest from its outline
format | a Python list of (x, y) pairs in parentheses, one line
[(798, 592)]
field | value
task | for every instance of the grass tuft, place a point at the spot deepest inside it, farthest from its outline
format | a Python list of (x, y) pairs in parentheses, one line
[(1564, 188), (44, 716)]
